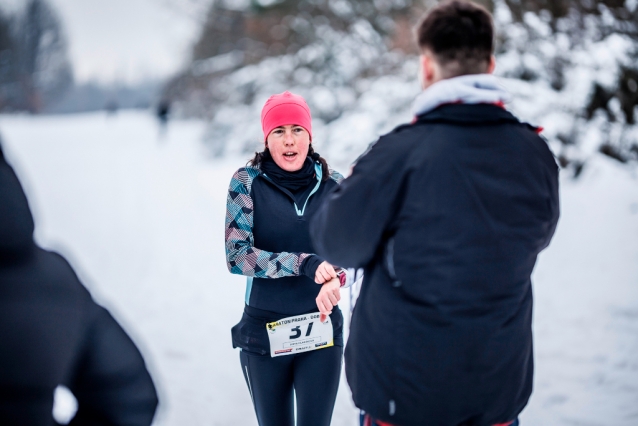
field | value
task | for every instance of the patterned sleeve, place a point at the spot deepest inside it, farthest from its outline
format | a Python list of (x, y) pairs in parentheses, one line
[(241, 256), (336, 176)]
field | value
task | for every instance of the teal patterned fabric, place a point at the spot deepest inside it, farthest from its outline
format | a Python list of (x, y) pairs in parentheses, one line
[(241, 256), (336, 176)]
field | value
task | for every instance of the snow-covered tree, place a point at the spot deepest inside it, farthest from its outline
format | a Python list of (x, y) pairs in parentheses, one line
[(572, 65), (581, 58)]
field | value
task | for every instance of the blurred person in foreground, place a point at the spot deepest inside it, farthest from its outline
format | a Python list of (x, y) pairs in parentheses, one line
[(53, 333), (447, 216)]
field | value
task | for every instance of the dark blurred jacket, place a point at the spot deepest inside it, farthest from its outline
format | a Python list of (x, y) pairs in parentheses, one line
[(53, 333), (447, 216)]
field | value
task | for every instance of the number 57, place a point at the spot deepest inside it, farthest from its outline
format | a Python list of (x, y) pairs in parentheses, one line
[(297, 331)]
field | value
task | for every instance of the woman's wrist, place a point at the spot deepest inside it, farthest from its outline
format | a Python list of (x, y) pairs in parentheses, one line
[(309, 266)]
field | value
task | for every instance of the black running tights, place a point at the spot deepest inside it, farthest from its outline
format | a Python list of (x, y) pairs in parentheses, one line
[(313, 375)]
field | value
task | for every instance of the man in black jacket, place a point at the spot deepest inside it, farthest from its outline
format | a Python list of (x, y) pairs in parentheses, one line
[(53, 333), (447, 216)]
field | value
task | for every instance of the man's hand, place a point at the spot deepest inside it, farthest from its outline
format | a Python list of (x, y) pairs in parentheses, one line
[(325, 272), (328, 297)]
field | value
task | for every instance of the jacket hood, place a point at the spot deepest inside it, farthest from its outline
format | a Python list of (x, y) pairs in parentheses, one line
[(465, 89), (16, 221)]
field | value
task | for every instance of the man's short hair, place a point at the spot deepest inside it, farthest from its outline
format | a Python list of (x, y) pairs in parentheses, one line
[(460, 35)]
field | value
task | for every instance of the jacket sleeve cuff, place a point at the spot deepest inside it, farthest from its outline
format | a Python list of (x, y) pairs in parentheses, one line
[(309, 266)]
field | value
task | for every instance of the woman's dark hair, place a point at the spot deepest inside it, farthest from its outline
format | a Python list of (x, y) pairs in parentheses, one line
[(265, 154)]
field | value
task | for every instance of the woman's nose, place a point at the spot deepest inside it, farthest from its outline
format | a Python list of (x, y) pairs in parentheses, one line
[(288, 139)]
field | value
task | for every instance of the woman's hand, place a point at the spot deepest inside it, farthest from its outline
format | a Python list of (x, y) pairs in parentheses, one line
[(328, 297), (325, 272)]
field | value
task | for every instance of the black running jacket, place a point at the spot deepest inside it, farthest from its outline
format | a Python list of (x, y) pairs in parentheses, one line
[(53, 333), (447, 216)]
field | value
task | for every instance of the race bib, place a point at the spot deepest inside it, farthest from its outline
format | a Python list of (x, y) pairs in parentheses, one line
[(298, 334)]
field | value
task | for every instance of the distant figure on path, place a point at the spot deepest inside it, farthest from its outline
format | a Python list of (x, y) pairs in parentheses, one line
[(163, 111), (111, 107), (53, 333), (447, 216)]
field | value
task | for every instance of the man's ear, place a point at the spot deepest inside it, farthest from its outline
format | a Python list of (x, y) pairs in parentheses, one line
[(423, 64), (492, 66), (427, 70)]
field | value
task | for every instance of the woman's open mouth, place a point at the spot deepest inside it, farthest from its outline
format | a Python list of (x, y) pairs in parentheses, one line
[(290, 155)]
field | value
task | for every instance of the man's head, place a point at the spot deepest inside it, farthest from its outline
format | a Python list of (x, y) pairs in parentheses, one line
[(455, 38)]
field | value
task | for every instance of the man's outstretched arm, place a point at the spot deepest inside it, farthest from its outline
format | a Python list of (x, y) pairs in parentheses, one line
[(351, 223)]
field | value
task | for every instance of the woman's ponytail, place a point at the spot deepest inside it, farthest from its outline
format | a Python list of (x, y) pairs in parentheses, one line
[(259, 158), (325, 170)]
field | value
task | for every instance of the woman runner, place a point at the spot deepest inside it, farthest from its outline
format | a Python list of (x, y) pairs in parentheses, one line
[(284, 345)]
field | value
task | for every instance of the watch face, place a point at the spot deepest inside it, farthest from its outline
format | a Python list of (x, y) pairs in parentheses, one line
[(341, 274)]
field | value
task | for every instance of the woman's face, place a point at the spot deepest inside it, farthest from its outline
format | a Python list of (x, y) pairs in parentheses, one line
[(288, 146)]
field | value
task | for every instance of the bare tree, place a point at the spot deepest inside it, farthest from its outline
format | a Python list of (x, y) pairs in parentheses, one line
[(39, 67), (7, 60)]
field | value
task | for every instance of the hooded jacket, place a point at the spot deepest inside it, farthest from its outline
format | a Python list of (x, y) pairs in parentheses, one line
[(446, 216), (53, 333)]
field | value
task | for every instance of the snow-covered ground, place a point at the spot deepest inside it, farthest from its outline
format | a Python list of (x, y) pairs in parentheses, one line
[(141, 219)]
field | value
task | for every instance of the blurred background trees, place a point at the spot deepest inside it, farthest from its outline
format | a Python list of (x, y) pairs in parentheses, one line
[(328, 43), (34, 64), (572, 65), (582, 55)]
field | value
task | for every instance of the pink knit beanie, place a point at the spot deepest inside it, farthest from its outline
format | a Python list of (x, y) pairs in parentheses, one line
[(284, 109)]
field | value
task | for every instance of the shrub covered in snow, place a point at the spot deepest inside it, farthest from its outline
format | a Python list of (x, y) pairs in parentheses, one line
[(572, 66)]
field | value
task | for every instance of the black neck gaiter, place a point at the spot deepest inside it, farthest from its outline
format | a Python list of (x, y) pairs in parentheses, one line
[(292, 181)]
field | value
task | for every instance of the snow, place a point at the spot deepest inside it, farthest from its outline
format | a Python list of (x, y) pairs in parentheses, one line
[(140, 216), (586, 305)]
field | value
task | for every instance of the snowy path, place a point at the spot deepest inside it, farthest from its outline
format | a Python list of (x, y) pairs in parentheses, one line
[(141, 219)]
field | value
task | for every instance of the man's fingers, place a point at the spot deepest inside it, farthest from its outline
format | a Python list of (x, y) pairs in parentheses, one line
[(323, 317)]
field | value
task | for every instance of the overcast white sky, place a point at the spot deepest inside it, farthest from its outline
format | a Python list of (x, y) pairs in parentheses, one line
[(126, 40)]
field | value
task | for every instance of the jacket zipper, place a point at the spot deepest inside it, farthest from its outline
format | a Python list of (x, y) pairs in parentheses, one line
[(301, 212)]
